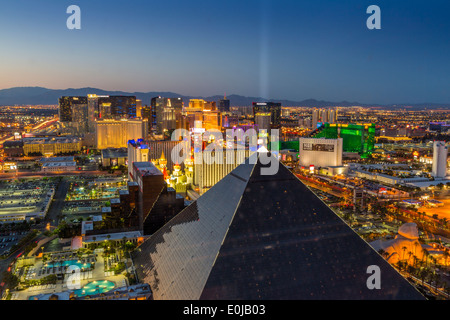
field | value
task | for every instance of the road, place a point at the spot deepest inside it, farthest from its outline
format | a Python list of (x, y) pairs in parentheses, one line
[(57, 205), (4, 265), (323, 188), (40, 126), (23, 175)]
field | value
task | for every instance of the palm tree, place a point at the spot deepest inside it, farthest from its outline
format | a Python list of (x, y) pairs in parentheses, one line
[(423, 274), (426, 255), (415, 247), (410, 253), (446, 256), (404, 249), (434, 261), (415, 260)]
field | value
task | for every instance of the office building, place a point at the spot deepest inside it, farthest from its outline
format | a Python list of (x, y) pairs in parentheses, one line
[(117, 107), (146, 113), (73, 115), (80, 119), (66, 105), (77, 115), (94, 109), (262, 237), (267, 115), (224, 105), (164, 113)]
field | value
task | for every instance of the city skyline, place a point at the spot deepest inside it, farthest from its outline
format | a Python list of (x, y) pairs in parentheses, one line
[(45, 96), (286, 50), (250, 151)]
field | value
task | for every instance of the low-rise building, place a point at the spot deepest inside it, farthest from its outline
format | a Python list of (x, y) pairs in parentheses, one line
[(49, 146), (59, 166), (112, 157)]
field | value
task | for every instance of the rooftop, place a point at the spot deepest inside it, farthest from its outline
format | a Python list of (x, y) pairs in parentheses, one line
[(49, 140), (114, 153), (58, 164), (57, 159), (147, 169), (113, 236)]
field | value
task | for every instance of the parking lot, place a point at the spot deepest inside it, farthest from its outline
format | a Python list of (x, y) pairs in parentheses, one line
[(7, 240), (26, 199)]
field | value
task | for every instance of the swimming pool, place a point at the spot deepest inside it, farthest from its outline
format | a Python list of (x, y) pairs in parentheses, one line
[(68, 263), (95, 287), (92, 288)]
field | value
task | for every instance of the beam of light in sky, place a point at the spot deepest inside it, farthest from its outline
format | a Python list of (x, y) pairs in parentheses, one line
[(264, 50)]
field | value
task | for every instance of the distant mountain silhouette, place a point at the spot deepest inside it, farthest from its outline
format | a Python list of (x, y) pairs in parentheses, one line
[(44, 96)]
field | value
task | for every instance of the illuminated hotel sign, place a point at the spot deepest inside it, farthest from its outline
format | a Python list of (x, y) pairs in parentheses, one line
[(318, 147), (8, 166), (198, 130)]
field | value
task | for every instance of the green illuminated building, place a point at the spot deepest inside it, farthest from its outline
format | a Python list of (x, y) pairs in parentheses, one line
[(358, 138), (292, 145)]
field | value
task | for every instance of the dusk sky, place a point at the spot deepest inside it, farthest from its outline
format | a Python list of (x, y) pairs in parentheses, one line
[(286, 49)]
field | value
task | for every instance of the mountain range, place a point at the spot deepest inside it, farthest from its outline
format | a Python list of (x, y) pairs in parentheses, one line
[(44, 96)]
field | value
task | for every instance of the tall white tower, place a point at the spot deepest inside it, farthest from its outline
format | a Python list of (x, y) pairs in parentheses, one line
[(324, 115), (440, 152), (333, 116), (315, 119)]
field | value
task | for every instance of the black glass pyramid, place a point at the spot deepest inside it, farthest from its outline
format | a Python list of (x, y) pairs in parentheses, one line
[(255, 236)]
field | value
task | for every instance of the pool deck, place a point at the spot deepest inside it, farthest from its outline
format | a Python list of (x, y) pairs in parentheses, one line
[(97, 274)]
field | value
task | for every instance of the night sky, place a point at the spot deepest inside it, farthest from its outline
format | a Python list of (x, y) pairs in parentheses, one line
[(285, 49)]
